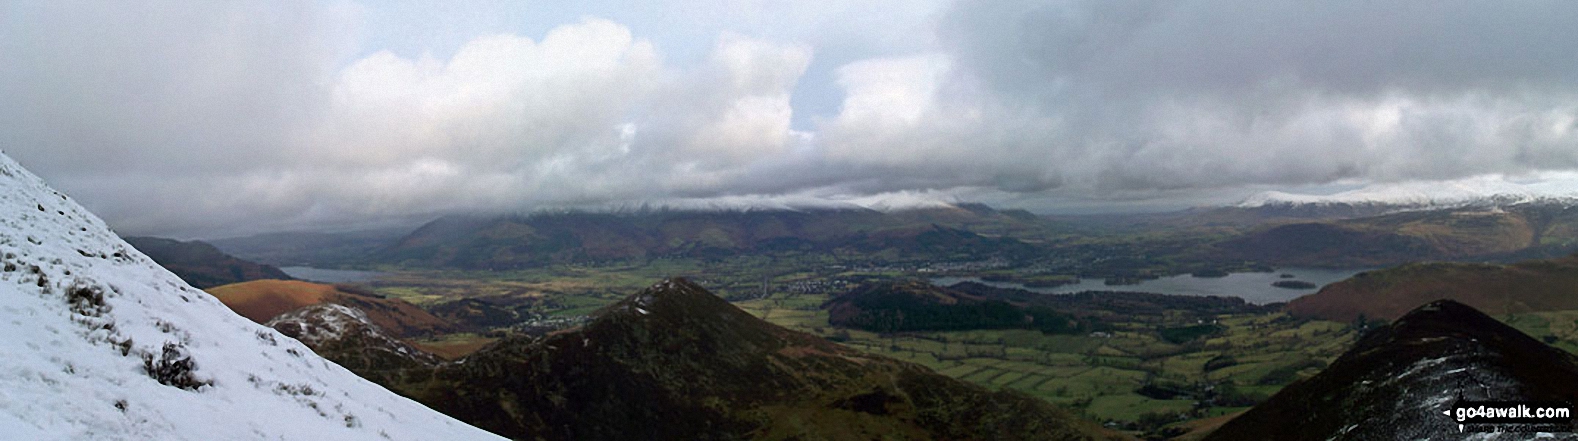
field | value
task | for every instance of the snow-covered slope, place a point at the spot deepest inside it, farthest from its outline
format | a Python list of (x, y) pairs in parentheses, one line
[(1486, 190), (98, 342)]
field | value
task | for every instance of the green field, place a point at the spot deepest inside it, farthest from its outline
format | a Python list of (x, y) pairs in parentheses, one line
[(1097, 374), (1557, 328)]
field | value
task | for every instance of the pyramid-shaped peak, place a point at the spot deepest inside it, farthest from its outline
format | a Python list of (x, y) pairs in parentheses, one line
[(1444, 317), (675, 294), (677, 288), (1444, 309)]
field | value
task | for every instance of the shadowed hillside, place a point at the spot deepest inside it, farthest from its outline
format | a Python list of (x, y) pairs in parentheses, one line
[(202, 265), (915, 305), (318, 249), (528, 241), (1397, 380)]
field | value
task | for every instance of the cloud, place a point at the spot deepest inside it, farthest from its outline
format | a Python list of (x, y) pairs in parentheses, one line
[(588, 114), (213, 119), (225, 122), (1108, 100), (1126, 95)]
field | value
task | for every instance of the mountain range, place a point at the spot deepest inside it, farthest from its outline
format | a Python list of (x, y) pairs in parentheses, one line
[(505, 242), (1456, 234), (1475, 191), (1333, 235)]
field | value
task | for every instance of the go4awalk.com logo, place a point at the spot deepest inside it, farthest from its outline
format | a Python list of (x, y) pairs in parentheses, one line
[(1512, 416)]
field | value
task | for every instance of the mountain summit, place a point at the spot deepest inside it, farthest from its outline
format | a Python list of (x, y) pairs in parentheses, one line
[(1398, 380), (102, 343), (676, 362)]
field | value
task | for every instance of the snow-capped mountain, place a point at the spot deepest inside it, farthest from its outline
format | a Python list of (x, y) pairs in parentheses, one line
[(100, 342), (1478, 191)]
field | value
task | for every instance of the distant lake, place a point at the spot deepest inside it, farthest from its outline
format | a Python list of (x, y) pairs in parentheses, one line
[(321, 275), (1252, 287)]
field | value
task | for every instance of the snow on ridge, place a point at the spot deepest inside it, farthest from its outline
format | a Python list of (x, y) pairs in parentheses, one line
[(102, 343), (885, 202), (334, 322), (1483, 190)]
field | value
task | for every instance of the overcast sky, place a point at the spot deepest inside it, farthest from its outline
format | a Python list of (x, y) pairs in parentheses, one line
[(205, 119)]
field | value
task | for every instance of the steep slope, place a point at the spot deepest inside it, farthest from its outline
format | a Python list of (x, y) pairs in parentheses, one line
[(202, 265), (263, 300), (1536, 285), (102, 343), (676, 362), (1396, 382)]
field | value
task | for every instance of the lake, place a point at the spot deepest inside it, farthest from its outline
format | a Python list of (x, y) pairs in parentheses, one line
[(321, 275), (1252, 287)]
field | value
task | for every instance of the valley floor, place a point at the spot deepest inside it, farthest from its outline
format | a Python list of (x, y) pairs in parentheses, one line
[(1102, 373)]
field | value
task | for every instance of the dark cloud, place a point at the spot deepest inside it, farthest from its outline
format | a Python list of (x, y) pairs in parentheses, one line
[(1103, 95), (211, 119)]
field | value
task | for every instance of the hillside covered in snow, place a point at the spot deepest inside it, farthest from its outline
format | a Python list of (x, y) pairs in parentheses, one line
[(1478, 191), (102, 343)]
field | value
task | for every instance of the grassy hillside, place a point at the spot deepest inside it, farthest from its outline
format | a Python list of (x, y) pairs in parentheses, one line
[(1500, 290)]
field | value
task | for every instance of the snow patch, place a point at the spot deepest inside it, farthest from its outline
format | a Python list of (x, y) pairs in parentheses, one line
[(1487, 191)]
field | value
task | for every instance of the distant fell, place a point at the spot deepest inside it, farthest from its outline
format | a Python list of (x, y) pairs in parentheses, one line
[(1501, 234), (201, 264), (512, 242), (1534, 285), (322, 249)]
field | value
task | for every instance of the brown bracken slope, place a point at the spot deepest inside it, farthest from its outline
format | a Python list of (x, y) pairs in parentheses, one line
[(262, 300), (1535, 285)]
